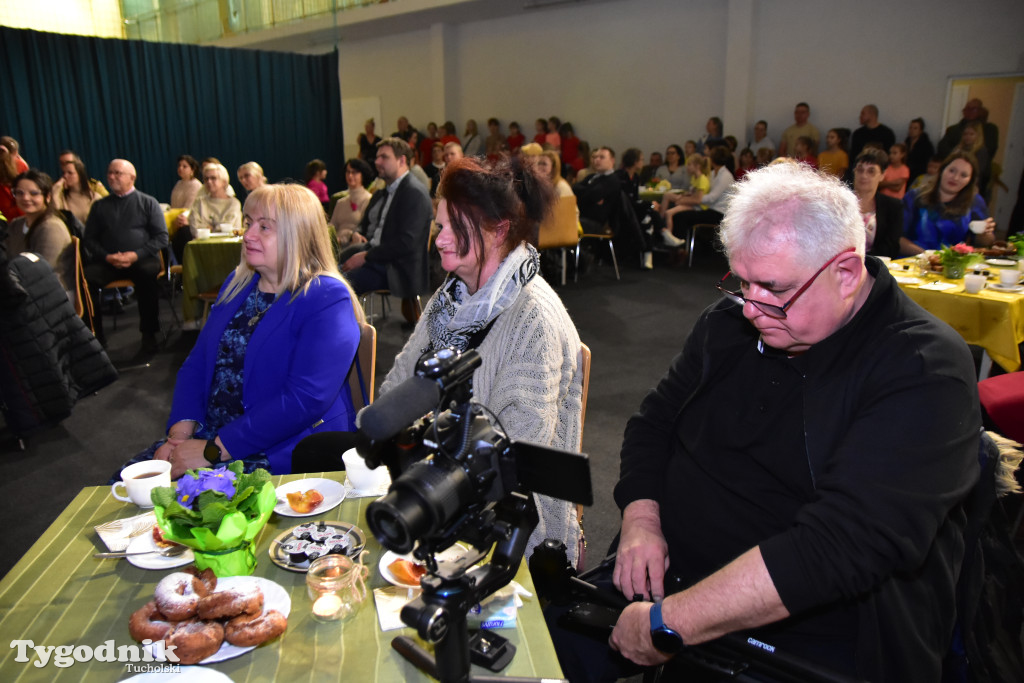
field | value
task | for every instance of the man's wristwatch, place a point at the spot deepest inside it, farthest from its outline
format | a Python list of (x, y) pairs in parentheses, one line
[(664, 639), (212, 451)]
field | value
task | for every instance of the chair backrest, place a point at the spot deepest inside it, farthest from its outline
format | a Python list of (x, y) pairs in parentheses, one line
[(585, 367), (171, 216), (361, 376), (83, 300), (560, 229)]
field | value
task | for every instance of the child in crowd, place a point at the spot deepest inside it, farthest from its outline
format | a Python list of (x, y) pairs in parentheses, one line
[(316, 173), (689, 149), (928, 178), (803, 151), (515, 138), (764, 156), (540, 127), (894, 182), (834, 160), (700, 183), (747, 163)]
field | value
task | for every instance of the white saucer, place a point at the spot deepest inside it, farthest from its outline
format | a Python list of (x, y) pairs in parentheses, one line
[(1002, 262), (1000, 287), (144, 543)]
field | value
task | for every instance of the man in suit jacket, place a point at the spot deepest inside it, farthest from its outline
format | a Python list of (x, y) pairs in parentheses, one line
[(392, 249)]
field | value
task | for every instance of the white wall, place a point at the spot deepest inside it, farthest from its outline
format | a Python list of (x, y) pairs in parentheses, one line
[(648, 73)]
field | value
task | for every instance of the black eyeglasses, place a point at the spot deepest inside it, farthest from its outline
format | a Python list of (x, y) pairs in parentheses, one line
[(773, 310)]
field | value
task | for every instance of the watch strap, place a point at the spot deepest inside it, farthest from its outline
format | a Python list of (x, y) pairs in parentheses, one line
[(212, 451)]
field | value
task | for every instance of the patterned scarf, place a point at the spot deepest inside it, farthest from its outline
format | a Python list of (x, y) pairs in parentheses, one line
[(456, 314)]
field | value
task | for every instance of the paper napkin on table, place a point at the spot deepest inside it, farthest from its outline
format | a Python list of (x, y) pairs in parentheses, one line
[(352, 492), (496, 611), (939, 286), (118, 534)]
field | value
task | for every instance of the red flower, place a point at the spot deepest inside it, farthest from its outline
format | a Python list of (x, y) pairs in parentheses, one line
[(962, 249)]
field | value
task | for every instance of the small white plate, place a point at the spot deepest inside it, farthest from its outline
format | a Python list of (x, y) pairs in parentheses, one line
[(274, 597), (332, 491), (448, 555), (145, 543), (1000, 287), (1003, 262)]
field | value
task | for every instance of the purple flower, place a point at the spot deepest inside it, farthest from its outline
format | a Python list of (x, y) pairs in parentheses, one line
[(220, 479), (192, 484), (189, 486)]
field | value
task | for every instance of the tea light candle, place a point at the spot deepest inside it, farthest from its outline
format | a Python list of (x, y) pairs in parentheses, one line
[(327, 606)]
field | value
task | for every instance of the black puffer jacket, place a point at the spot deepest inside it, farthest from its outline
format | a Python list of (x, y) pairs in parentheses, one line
[(48, 357)]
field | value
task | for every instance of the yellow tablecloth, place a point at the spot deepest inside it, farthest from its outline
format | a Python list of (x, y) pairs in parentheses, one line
[(990, 319), (205, 266), (58, 594)]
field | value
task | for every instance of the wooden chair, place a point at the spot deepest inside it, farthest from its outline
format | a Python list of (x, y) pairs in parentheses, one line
[(126, 282), (174, 270), (585, 368), (561, 229), (693, 239), (83, 301), (605, 234), (362, 374)]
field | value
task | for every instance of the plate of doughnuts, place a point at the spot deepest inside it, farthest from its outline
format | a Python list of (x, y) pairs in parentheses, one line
[(210, 620)]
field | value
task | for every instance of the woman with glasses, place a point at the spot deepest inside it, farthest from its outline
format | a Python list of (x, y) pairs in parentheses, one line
[(213, 210), (40, 228)]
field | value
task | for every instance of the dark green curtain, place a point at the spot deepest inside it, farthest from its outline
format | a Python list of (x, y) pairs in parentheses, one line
[(150, 102)]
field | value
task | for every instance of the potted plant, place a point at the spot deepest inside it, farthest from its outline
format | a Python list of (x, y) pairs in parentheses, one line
[(957, 259), (217, 513)]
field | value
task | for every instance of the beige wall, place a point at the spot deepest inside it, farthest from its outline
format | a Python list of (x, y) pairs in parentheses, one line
[(648, 73)]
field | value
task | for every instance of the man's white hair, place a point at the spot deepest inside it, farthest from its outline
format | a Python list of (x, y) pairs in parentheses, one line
[(791, 204)]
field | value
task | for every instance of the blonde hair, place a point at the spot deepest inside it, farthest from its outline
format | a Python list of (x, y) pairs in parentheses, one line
[(303, 246), (700, 161), (556, 164)]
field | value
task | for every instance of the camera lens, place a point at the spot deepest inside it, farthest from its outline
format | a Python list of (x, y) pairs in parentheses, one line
[(421, 502)]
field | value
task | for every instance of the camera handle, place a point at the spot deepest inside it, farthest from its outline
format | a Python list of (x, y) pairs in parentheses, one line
[(439, 613)]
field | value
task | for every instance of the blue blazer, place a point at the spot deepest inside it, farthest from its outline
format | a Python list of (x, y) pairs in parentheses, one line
[(294, 372)]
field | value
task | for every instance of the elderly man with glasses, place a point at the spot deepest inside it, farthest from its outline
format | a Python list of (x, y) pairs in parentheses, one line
[(799, 473)]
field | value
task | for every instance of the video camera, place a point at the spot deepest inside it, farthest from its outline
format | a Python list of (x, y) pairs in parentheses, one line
[(457, 476)]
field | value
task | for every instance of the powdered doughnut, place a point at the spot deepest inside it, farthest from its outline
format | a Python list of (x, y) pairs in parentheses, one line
[(147, 622), (207, 576), (248, 630), (177, 595), (194, 641), (230, 603)]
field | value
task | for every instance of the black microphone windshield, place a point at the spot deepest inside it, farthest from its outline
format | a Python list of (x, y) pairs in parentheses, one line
[(397, 409)]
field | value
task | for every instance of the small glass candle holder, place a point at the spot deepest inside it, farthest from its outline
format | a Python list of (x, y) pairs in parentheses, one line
[(336, 586)]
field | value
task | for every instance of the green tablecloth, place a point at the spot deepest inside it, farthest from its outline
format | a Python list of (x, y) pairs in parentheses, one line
[(58, 594), (206, 265)]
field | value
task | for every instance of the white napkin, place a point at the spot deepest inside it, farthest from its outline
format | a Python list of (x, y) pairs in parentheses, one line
[(352, 492), (118, 534), (496, 611), (939, 286)]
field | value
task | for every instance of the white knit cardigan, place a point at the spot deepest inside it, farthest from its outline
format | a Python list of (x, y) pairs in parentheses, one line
[(531, 378)]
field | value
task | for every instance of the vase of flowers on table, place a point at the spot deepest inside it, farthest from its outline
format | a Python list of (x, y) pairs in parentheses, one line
[(217, 513), (957, 259)]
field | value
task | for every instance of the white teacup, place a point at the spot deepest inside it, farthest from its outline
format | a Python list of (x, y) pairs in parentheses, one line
[(1008, 277), (140, 479), (202, 233), (978, 227), (361, 476), (225, 228), (974, 283)]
